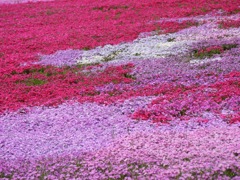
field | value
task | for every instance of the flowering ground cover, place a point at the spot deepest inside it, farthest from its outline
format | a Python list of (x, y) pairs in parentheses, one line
[(119, 89)]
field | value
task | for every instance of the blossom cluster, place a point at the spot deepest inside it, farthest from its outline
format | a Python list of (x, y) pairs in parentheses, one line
[(119, 89)]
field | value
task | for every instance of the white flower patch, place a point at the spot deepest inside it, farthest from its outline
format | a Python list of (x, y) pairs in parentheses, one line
[(142, 48), (88, 60), (152, 46), (155, 47), (209, 30), (206, 60), (100, 54)]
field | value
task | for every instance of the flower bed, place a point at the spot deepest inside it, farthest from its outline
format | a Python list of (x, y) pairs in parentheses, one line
[(119, 89)]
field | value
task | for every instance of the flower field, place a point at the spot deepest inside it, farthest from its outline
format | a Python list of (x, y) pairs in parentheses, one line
[(119, 90)]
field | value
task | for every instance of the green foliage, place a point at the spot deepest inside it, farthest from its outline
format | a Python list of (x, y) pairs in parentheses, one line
[(230, 173), (83, 65), (186, 159), (34, 82), (41, 70), (87, 48), (126, 75), (137, 54), (228, 46), (170, 39), (179, 175), (164, 166), (183, 112), (133, 168), (3, 175), (111, 56), (202, 55)]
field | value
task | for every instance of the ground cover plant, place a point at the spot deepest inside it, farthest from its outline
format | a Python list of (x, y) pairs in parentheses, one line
[(146, 89)]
